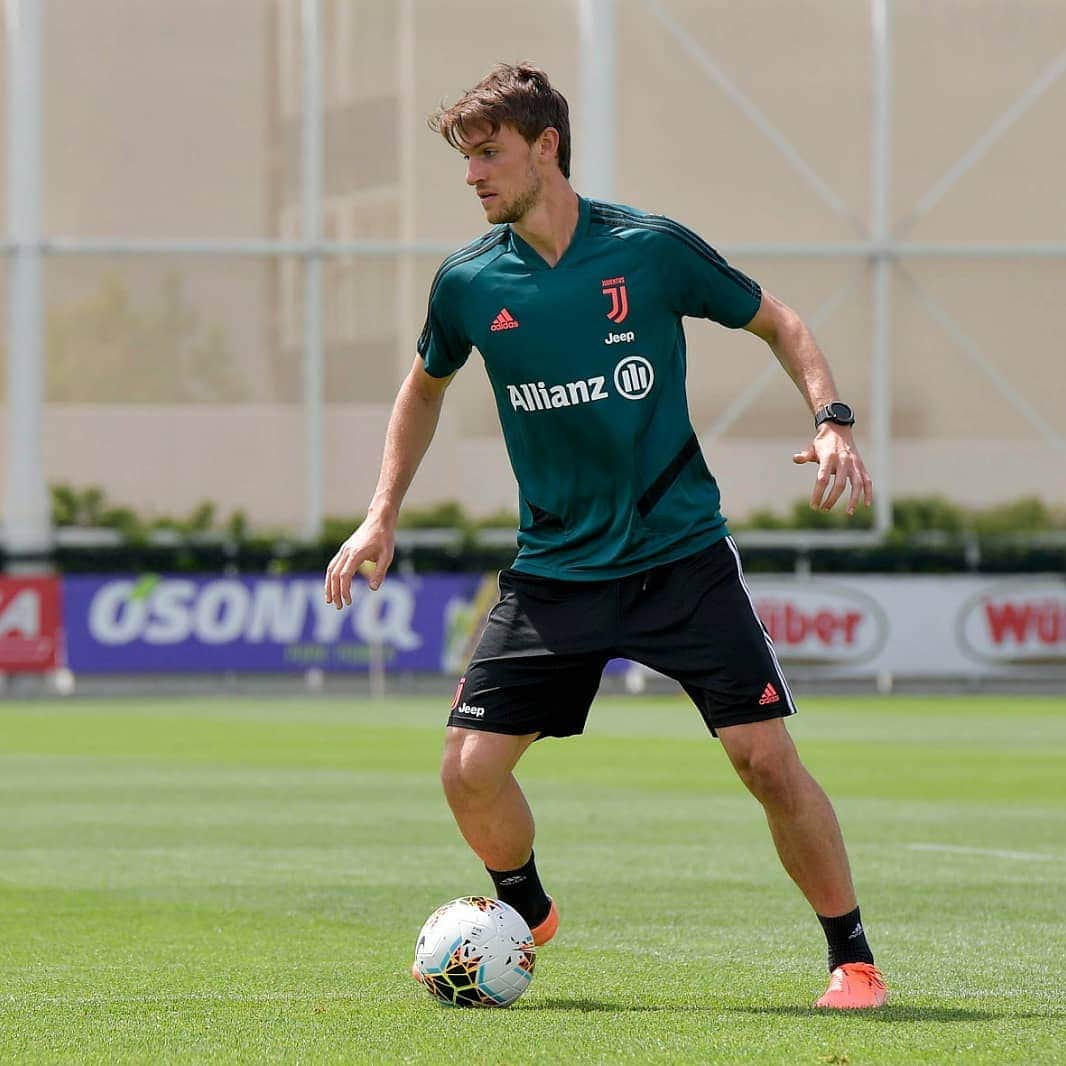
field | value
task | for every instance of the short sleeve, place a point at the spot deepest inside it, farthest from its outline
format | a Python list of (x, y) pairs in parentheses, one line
[(443, 344), (700, 283)]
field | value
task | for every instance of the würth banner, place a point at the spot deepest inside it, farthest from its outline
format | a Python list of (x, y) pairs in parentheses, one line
[(917, 626), (30, 625)]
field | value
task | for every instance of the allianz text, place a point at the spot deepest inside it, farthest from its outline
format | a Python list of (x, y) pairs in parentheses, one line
[(537, 396)]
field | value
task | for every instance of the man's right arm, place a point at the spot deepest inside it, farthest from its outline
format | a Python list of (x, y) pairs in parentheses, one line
[(411, 428)]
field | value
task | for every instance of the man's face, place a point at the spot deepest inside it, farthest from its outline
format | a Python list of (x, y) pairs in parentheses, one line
[(502, 168)]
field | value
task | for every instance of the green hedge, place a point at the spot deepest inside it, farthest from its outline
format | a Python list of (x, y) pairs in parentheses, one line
[(930, 535)]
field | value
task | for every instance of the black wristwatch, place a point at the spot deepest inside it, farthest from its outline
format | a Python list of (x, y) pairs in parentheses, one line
[(837, 411)]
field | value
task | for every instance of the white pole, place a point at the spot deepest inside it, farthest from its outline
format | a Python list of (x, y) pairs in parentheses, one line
[(407, 320), (314, 354), (881, 261), (27, 514), (594, 167), (377, 671)]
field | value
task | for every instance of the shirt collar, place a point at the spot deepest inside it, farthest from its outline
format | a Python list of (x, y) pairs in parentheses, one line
[(531, 257)]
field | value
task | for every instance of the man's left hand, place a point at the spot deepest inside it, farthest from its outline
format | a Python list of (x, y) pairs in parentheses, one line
[(838, 462)]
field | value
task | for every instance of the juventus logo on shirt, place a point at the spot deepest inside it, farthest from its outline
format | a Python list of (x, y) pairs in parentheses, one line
[(616, 289)]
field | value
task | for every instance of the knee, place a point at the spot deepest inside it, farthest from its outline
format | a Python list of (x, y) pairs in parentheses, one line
[(468, 774), (770, 774)]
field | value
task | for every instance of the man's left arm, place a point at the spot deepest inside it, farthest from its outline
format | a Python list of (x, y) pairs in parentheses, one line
[(832, 448)]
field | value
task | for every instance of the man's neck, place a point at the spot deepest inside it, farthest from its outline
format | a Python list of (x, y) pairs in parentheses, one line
[(549, 227)]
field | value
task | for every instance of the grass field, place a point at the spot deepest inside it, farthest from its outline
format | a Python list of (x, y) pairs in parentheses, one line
[(237, 880)]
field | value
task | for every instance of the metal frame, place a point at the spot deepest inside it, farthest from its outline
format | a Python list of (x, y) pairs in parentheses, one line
[(878, 242), (314, 313), (883, 250)]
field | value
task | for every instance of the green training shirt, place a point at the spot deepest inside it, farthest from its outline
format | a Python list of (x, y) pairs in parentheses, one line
[(587, 363)]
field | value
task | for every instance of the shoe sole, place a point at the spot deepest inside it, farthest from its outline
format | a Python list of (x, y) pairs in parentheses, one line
[(849, 1006)]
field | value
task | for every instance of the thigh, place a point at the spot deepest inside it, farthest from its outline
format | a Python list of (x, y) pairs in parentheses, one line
[(537, 666), (697, 624)]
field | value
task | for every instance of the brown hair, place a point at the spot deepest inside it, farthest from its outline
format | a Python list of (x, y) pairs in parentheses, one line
[(519, 95)]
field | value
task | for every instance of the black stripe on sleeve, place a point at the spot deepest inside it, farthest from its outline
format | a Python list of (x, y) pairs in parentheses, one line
[(457, 258), (662, 224)]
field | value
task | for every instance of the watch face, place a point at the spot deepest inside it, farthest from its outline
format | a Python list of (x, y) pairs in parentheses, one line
[(840, 412)]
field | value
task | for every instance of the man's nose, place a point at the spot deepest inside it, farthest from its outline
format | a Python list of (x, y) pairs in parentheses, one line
[(473, 171)]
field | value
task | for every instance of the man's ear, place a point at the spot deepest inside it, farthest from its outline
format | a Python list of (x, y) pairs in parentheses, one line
[(548, 144)]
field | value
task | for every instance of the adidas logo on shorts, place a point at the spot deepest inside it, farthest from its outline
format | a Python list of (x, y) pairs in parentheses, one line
[(769, 695)]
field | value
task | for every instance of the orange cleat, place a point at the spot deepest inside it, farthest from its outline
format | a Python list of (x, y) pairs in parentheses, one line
[(548, 928), (854, 986)]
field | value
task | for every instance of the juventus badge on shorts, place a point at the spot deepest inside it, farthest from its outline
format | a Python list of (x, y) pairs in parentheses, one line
[(458, 692)]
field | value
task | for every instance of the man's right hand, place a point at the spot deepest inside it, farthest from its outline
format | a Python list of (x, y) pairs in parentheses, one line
[(367, 551)]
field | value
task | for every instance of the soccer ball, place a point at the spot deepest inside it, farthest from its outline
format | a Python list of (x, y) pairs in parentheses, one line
[(475, 952)]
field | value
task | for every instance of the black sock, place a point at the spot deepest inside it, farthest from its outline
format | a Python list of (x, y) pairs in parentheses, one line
[(847, 939), (522, 889)]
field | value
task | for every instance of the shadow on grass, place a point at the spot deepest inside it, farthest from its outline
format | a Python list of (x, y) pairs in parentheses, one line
[(909, 1014), (589, 1006), (884, 1014)]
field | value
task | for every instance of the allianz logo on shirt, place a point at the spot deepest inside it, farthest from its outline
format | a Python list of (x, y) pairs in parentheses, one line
[(633, 380)]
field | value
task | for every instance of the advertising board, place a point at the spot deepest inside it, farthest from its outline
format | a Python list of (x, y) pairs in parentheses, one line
[(826, 626), (30, 624), (177, 624), (950, 626)]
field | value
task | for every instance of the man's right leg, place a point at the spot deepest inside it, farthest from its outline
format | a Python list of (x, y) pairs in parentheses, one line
[(534, 672), (489, 807), (494, 817)]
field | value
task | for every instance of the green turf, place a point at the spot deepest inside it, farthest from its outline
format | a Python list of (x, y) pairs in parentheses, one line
[(235, 880)]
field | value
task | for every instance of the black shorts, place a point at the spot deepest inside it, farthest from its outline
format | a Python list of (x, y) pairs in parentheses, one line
[(538, 664)]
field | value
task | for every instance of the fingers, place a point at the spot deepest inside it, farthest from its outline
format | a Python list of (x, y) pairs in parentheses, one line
[(840, 483), (821, 484), (857, 489), (381, 568), (328, 587), (347, 563), (340, 573), (837, 467), (832, 482), (861, 488), (374, 570)]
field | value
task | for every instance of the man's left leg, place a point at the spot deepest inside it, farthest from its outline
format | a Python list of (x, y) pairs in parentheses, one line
[(802, 821), (807, 836)]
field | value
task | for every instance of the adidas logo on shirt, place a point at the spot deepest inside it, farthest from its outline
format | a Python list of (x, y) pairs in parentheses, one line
[(504, 320)]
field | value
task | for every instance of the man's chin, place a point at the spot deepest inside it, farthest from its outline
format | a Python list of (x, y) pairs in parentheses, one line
[(497, 213)]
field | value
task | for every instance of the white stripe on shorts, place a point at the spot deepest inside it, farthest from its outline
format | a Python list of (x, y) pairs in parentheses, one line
[(766, 636)]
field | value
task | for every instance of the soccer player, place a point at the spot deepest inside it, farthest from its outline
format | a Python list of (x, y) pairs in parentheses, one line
[(576, 307)]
